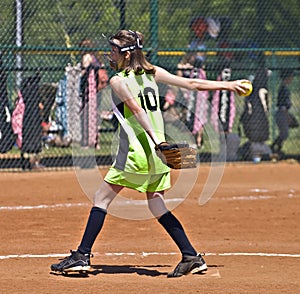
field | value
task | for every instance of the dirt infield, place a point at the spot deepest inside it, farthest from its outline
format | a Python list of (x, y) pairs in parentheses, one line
[(249, 231)]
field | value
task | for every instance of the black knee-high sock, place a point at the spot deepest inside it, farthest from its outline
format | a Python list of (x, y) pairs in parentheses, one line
[(176, 231), (93, 228)]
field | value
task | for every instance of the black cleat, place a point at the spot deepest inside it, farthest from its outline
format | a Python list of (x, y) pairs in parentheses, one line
[(188, 264), (73, 263)]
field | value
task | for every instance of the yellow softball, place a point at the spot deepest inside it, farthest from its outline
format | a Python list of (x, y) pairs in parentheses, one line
[(248, 90)]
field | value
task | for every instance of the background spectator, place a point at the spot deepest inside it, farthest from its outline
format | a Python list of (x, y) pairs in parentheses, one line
[(32, 123), (93, 79), (255, 118), (223, 112), (7, 138), (282, 116)]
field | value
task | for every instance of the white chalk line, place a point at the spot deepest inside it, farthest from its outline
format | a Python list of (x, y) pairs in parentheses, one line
[(68, 205), (129, 202), (42, 206), (145, 254), (247, 198)]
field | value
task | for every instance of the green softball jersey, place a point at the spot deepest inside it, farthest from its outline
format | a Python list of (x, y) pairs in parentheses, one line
[(136, 152)]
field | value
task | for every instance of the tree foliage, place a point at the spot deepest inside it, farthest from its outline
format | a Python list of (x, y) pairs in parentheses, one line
[(269, 23)]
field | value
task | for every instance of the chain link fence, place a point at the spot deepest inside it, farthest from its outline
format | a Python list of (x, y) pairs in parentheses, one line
[(45, 112)]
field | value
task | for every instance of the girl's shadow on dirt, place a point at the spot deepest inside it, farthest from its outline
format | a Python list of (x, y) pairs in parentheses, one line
[(128, 269), (146, 270)]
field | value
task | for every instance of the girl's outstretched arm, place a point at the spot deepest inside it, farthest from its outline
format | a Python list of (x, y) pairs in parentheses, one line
[(165, 77)]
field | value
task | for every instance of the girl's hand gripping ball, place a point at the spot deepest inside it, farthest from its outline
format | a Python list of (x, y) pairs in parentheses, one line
[(248, 90)]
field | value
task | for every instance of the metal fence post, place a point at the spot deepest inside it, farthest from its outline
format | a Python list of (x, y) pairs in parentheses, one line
[(154, 30)]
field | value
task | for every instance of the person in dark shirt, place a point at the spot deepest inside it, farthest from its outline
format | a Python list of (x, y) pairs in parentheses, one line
[(283, 105)]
